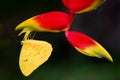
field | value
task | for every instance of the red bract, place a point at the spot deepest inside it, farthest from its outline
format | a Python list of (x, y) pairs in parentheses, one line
[(79, 40), (86, 45), (77, 5), (80, 6), (50, 21), (53, 20)]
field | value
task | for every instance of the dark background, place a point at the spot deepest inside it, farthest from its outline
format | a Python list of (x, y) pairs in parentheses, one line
[(65, 62)]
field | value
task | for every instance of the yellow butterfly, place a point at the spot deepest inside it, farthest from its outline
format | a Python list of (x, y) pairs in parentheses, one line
[(33, 54)]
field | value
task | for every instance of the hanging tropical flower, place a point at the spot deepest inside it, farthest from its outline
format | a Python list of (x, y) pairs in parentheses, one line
[(35, 52)]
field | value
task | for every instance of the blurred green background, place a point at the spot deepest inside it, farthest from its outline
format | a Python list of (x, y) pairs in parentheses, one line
[(65, 62)]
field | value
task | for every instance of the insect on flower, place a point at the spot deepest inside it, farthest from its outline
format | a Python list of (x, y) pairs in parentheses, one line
[(35, 52)]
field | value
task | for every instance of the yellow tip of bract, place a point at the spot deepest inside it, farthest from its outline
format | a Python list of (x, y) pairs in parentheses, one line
[(96, 51), (96, 4), (33, 54), (29, 24)]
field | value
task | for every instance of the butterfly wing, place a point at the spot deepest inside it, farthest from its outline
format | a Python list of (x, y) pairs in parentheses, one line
[(33, 54)]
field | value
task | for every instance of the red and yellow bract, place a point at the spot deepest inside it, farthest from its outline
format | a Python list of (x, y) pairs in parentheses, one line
[(87, 45), (54, 21), (51, 21), (80, 6)]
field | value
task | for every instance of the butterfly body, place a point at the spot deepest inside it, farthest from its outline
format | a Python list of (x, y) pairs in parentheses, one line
[(33, 54)]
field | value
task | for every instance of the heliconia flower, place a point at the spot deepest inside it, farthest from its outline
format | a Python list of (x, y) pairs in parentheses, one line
[(54, 21), (87, 45), (80, 6)]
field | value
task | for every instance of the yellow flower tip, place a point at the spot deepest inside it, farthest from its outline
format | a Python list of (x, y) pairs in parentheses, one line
[(104, 56), (98, 51), (29, 24), (27, 27), (103, 52)]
